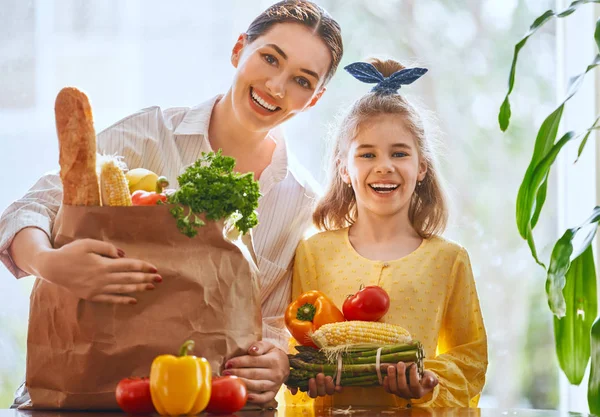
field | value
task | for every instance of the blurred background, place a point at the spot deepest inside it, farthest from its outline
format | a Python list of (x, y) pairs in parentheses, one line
[(133, 54)]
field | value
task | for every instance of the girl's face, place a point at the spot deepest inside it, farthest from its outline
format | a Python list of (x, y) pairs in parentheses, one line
[(383, 165), (279, 74)]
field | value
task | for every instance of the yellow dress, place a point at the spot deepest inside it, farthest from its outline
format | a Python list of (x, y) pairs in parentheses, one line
[(432, 295)]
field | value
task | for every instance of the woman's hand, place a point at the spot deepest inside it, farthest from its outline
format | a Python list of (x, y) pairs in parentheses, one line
[(396, 381), (264, 369), (97, 271)]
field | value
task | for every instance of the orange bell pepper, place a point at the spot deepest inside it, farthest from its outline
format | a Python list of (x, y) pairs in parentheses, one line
[(309, 312)]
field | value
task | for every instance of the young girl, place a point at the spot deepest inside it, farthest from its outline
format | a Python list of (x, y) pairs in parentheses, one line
[(283, 62), (382, 215)]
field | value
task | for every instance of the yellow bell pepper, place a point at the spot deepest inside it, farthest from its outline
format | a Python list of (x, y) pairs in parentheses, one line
[(180, 385)]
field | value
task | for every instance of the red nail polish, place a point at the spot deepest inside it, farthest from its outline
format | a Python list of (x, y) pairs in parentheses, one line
[(228, 365), (150, 287), (250, 397), (153, 270), (254, 349), (120, 253), (226, 373), (158, 278), (133, 302)]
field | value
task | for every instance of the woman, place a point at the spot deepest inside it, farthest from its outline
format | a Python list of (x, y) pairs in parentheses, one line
[(283, 62)]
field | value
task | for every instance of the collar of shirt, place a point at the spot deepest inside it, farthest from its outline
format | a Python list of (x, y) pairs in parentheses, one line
[(196, 122)]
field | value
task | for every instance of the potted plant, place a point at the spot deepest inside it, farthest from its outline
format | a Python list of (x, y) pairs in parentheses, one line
[(571, 276)]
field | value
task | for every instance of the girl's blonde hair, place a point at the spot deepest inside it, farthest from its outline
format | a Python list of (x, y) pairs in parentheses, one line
[(428, 211)]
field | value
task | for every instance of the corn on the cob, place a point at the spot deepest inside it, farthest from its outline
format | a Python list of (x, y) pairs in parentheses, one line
[(359, 332), (113, 184)]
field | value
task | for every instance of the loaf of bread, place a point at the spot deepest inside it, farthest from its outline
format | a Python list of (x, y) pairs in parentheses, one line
[(77, 148)]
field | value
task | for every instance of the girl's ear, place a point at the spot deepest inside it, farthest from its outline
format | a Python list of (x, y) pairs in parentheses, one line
[(237, 49), (343, 171), (422, 169)]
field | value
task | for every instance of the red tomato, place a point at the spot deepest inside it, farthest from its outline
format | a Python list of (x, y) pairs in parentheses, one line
[(133, 395), (228, 395), (368, 304)]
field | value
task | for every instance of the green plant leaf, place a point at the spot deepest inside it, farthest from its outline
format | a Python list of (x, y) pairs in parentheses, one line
[(597, 34), (532, 192), (572, 332), (560, 262), (505, 113), (532, 187), (594, 381), (585, 139)]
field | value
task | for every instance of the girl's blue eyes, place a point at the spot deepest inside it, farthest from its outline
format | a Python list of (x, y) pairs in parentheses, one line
[(302, 82), (394, 155)]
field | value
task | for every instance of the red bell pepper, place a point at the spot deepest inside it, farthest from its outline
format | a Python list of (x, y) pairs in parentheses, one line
[(146, 198)]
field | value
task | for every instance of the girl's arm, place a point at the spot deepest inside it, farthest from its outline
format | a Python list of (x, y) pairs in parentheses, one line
[(462, 359)]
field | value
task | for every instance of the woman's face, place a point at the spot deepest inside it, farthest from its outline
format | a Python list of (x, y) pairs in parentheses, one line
[(383, 165), (279, 74)]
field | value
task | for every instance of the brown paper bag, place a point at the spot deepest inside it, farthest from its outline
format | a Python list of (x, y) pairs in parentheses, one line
[(77, 351)]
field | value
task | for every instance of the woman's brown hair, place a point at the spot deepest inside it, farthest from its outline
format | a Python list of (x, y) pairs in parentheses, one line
[(308, 14), (428, 211)]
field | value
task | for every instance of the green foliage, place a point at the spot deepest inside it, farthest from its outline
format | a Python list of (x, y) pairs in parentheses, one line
[(210, 187), (571, 278)]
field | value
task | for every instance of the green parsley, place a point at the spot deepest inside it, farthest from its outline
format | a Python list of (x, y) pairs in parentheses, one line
[(211, 187)]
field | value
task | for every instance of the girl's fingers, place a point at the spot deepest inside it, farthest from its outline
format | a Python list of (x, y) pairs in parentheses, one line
[(113, 299), (312, 388), (329, 386), (416, 390), (321, 390)]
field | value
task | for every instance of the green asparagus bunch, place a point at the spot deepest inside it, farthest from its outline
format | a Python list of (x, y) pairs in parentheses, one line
[(358, 363)]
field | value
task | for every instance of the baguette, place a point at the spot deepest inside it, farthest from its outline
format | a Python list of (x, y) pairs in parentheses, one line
[(77, 148)]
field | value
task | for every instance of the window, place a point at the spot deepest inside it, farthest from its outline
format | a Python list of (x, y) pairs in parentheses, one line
[(134, 54)]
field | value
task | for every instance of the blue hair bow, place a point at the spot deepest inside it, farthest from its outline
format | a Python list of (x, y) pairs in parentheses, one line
[(367, 73)]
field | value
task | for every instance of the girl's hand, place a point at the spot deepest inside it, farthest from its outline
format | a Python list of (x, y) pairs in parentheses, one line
[(264, 369), (97, 271), (322, 385), (395, 382)]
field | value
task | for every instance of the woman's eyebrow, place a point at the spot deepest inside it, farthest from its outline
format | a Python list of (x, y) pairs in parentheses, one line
[(284, 56)]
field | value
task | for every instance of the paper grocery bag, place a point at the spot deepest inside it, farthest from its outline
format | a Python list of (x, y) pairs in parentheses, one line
[(77, 350)]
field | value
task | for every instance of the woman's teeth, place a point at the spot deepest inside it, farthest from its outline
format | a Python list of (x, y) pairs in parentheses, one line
[(261, 102), (384, 188)]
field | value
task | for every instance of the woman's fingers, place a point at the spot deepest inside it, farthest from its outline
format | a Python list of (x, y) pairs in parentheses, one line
[(130, 265), (133, 278), (250, 373), (113, 299), (260, 348), (101, 248), (259, 386), (127, 288), (262, 397)]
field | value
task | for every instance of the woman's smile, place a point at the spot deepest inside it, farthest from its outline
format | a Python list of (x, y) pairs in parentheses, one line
[(261, 103)]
